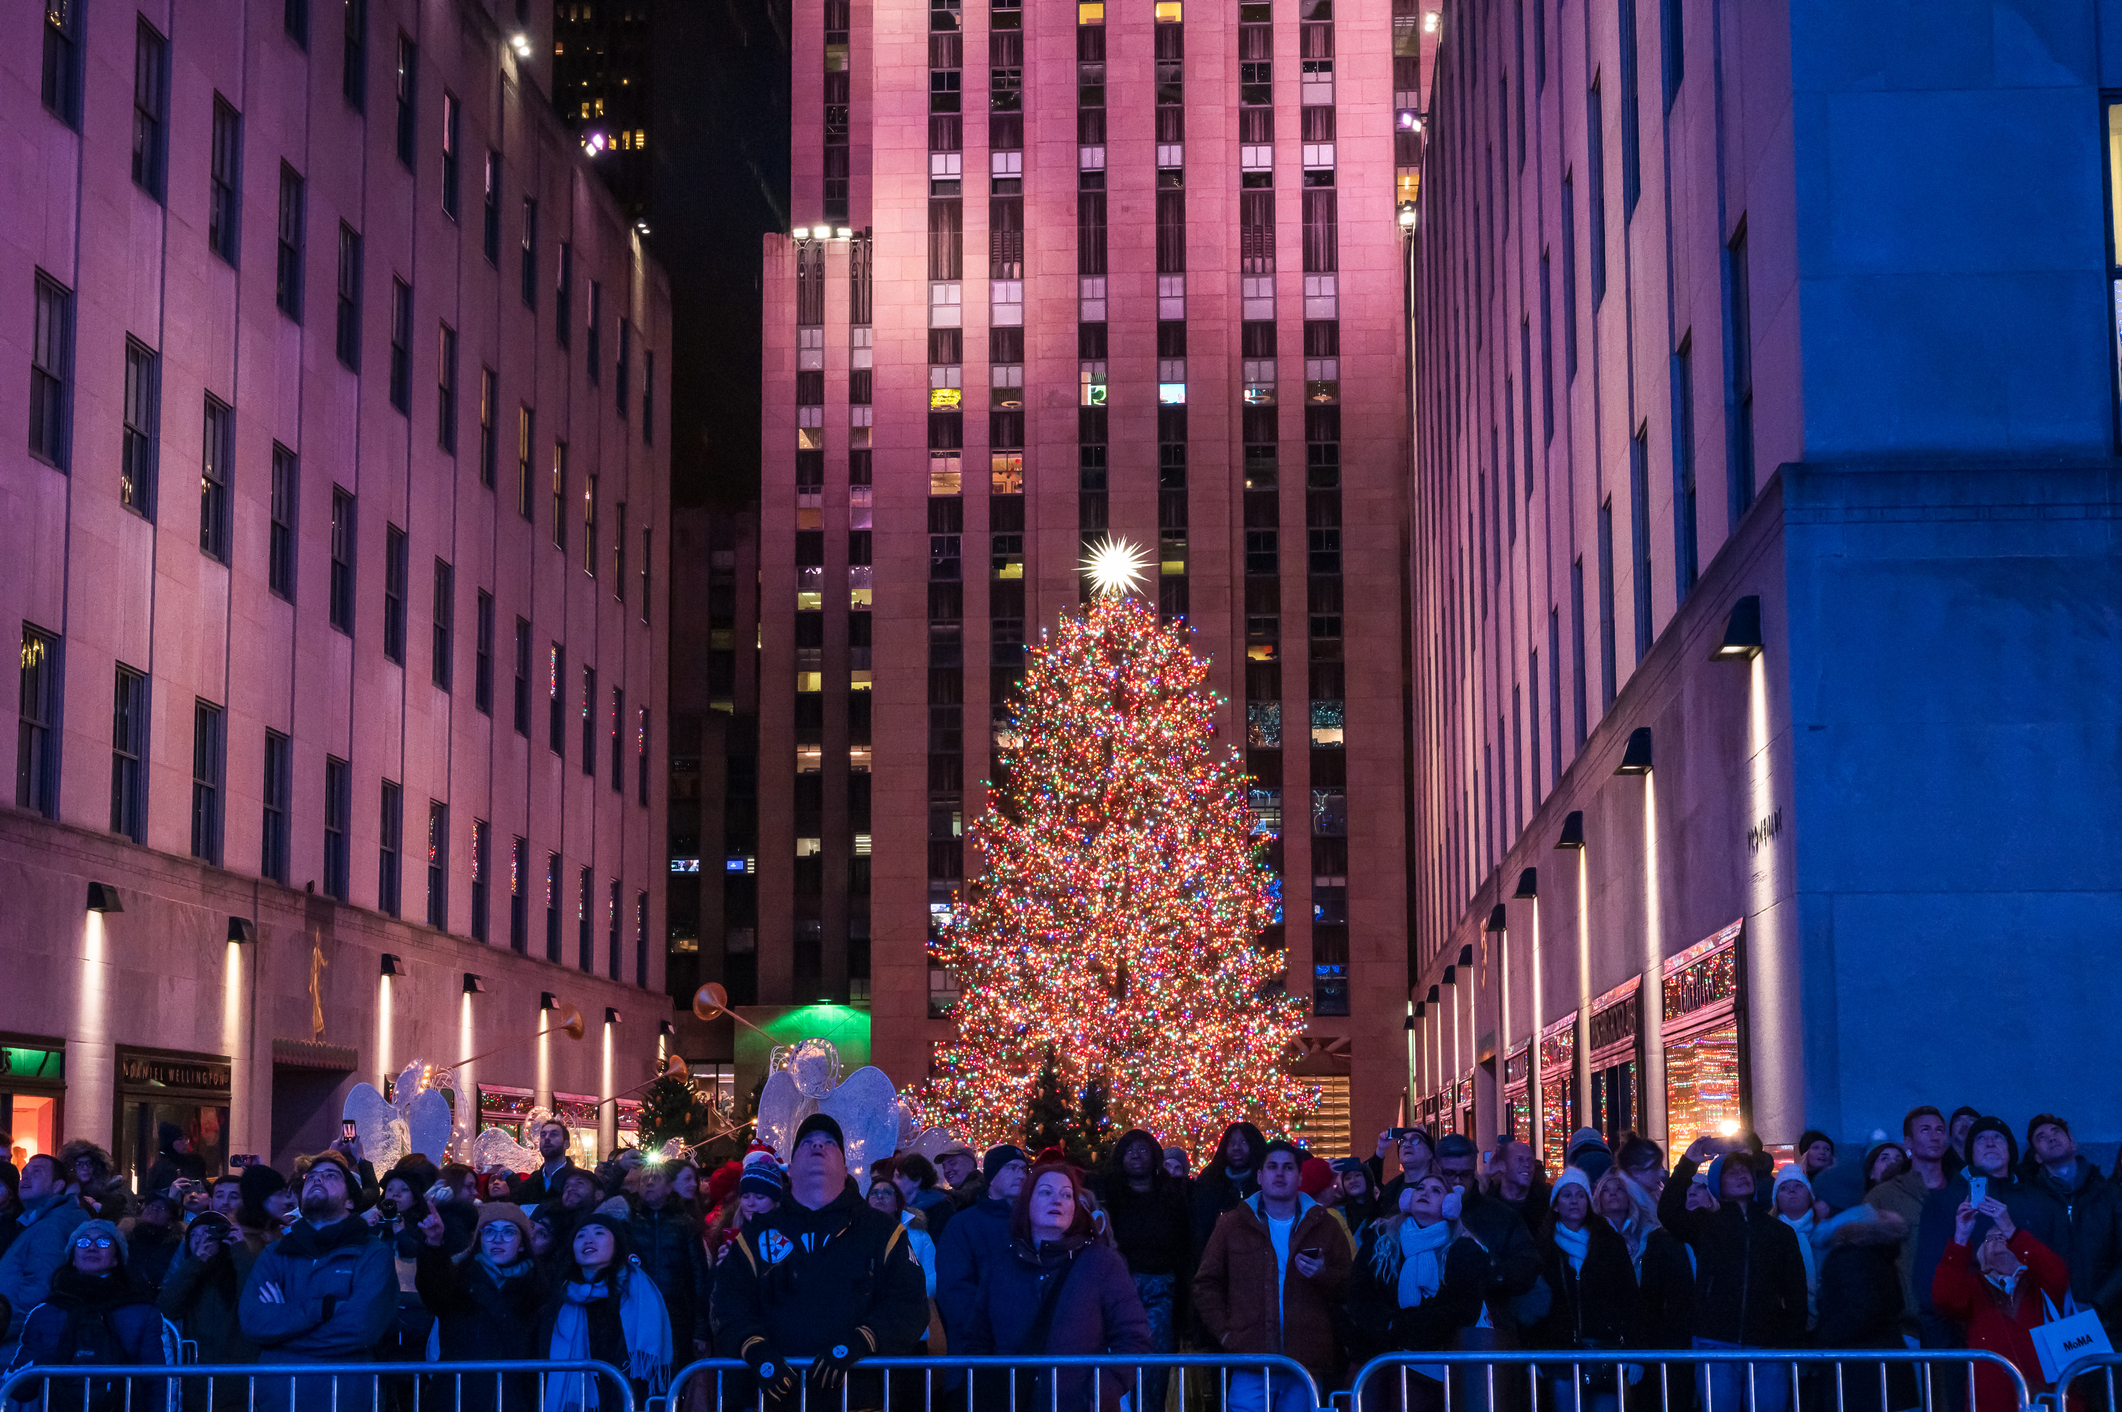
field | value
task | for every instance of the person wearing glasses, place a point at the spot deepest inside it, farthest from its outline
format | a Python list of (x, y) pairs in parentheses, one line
[(99, 1314), (323, 1293)]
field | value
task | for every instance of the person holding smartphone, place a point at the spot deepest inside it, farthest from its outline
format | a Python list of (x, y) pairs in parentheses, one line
[(1268, 1282)]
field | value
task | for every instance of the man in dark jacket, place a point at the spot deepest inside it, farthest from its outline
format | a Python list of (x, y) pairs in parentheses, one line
[(666, 1240), (1513, 1266), (1750, 1275), (323, 1293), (1992, 1160), (2086, 1219), (174, 1159), (826, 1276), (550, 1179), (978, 1235), (1229, 1177)]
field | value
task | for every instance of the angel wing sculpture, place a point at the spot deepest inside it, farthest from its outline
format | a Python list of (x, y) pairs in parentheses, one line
[(416, 1119)]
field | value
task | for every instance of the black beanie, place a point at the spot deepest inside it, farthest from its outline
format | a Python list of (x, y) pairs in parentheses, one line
[(257, 1183), (819, 1123), (999, 1157), (1999, 1126)]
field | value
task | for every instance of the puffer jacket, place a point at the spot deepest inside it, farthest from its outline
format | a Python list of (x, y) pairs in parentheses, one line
[(1750, 1275), (1236, 1293), (666, 1240), (1092, 1308), (46, 1241), (339, 1294), (107, 1319)]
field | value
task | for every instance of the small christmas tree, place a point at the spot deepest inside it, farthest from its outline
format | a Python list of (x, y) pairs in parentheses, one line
[(1115, 931), (670, 1109), (1050, 1119), (1095, 1129)]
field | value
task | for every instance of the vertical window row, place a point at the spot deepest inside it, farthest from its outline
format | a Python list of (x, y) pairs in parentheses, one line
[(836, 103), (207, 756)]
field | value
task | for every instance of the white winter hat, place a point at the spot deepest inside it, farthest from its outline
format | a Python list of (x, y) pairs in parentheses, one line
[(1571, 1176)]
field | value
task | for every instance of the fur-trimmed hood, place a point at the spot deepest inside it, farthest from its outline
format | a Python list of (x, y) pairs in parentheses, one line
[(1883, 1229)]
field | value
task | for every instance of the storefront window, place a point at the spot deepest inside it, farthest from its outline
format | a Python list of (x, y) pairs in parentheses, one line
[(33, 1079), (1616, 1097), (162, 1096), (1558, 1079), (1704, 1066)]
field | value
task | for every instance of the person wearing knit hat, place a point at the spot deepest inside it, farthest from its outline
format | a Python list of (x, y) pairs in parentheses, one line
[(979, 1236), (1751, 1285), (486, 1301), (1592, 1283), (1816, 1152), (1791, 1198), (203, 1288), (1958, 1127), (607, 1308), (268, 1204), (997, 1158), (98, 1312)]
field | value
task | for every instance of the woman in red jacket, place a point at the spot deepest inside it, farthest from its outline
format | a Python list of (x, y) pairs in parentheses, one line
[(1995, 1294)]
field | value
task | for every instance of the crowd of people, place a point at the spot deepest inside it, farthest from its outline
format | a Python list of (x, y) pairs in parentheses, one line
[(1946, 1237)]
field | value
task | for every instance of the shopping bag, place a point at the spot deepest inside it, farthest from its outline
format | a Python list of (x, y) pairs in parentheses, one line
[(2067, 1336)]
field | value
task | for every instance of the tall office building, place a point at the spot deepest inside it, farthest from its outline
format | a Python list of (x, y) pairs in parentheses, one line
[(602, 88), (1057, 274), (1765, 567), (335, 447)]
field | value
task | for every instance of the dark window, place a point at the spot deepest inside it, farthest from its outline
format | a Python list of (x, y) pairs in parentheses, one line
[(526, 425), (446, 390), (143, 415), (452, 146), (556, 704), (585, 941), (593, 328), (37, 733), (388, 828), (559, 495), (445, 623), (1576, 648), (280, 545), (1631, 125), (438, 865), (625, 367), (408, 100), (394, 594), (342, 561), (353, 68), (491, 235), (1321, 239), (1739, 319), (589, 721), (1569, 277), (619, 557), (278, 792), (1595, 161), (487, 436), (552, 907), (1607, 665), (288, 273), (349, 330), (589, 525), (1685, 565), (641, 939), (129, 755), (1672, 35), (530, 253), (294, 18), (611, 942), (523, 676), (216, 458), (1554, 693), (618, 740), (564, 295), (480, 864), (62, 60), (483, 669), (224, 203), (150, 107), (207, 755), (401, 389), (51, 370), (338, 827), (1547, 361), (648, 397), (1639, 535), (647, 539), (641, 760), (519, 896)]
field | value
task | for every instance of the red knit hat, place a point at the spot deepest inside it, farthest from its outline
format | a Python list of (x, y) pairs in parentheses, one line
[(722, 1183), (1315, 1176)]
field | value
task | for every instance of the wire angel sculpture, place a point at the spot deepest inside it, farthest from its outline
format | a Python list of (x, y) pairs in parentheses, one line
[(416, 1119)]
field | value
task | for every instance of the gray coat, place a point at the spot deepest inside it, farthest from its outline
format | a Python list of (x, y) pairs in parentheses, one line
[(339, 1293), (44, 1245)]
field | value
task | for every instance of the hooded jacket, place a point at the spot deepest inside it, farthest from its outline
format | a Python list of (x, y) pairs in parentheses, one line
[(807, 1280), (171, 1164), (1243, 1306), (1999, 1322), (1154, 1228), (202, 1299), (976, 1239), (1595, 1307), (1216, 1190), (47, 1234), (1749, 1275), (1513, 1258), (2085, 1217), (666, 1240), (339, 1294), (1860, 1307), (1093, 1309)]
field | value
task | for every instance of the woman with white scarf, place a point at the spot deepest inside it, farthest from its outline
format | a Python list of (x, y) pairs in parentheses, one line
[(1792, 1195), (606, 1308), (1416, 1282), (1593, 1279)]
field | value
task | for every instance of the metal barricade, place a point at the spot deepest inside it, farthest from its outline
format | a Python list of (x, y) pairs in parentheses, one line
[(498, 1386), (1682, 1380), (2097, 1366), (1003, 1383)]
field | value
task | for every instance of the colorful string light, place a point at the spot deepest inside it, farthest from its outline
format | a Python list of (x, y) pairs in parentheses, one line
[(1118, 918)]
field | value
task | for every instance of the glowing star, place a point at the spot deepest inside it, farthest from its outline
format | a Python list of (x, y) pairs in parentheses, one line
[(1115, 568)]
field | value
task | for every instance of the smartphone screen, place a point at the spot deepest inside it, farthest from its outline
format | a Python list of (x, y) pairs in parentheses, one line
[(346, 1128), (1977, 1190)]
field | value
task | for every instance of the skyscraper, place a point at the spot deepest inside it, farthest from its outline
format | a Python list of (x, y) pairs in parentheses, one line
[(1056, 275)]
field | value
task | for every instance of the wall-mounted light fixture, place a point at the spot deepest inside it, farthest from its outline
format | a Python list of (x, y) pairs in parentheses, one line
[(1435, 997), (1742, 632), (474, 985), (242, 929), (1420, 1007), (666, 1029), (102, 897), (548, 1001), (1528, 885), (1451, 975), (611, 1016), (1635, 759), (392, 966), (1497, 921), (1409, 1024), (1466, 952), (1572, 830)]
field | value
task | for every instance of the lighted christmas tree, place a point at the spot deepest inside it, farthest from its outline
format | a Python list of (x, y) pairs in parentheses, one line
[(1117, 922)]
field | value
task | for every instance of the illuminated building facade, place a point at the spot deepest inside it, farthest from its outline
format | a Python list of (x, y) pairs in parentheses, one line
[(1765, 567), (1190, 335), (337, 477), (602, 89)]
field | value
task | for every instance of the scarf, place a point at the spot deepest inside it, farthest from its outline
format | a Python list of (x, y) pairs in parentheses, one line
[(641, 1319), (502, 1274), (1573, 1245), (1421, 1260), (1803, 1227)]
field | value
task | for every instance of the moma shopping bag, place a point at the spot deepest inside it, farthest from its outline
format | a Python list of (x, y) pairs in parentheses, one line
[(2067, 1337)]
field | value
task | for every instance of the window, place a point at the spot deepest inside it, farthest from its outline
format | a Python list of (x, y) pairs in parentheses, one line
[(648, 397), (206, 781), (1685, 566), (394, 593), (519, 895), (342, 561), (1639, 535), (526, 423), (1576, 647), (1631, 125), (215, 458), (552, 907), (349, 329), (626, 358), (338, 827), (559, 494), (446, 390), (129, 755), (1674, 48), (564, 295), (612, 931), (280, 544), (646, 563), (387, 849), (445, 622), (277, 793), (452, 144), (223, 204), (523, 672), (589, 721), (288, 273), (150, 99), (556, 705), (479, 867), (530, 253), (1606, 604), (594, 330), (589, 525), (62, 60), (1595, 160), (51, 369), (486, 427), (143, 415), (1569, 278), (619, 557), (37, 733), (491, 236), (353, 67), (585, 944), (618, 740), (641, 759), (408, 80), (483, 669), (401, 389), (1554, 693), (641, 939), (1741, 358), (438, 865), (294, 19)]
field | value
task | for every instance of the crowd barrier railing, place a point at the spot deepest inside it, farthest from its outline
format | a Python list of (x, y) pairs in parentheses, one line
[(2097, 1366), (1005, 1383), (496, 1386)]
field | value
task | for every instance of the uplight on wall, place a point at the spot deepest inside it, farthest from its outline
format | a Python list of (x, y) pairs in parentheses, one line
[(1635, 759), (242, 929), (1572, 830), (102, 897), (1742, 632), (1528, 885)]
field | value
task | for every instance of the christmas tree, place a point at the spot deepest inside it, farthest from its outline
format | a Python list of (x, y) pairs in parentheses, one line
[(670, 1109), (1049, 1119), (1117, 923)]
